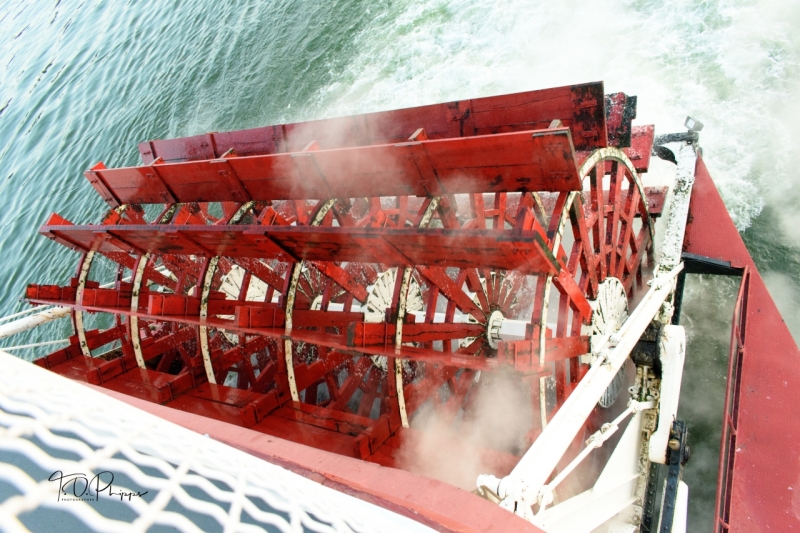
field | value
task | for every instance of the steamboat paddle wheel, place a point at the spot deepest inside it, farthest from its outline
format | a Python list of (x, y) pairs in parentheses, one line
[(329, 282)]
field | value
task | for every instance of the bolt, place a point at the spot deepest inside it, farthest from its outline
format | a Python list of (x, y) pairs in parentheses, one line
[(674, 444)]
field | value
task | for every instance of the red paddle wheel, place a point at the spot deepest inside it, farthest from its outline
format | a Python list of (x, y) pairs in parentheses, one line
[(326, 282)]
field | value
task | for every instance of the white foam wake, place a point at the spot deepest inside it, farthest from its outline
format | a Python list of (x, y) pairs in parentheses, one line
[(733, 65)]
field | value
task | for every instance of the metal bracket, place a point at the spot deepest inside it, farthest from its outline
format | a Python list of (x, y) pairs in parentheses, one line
[(677, 455)]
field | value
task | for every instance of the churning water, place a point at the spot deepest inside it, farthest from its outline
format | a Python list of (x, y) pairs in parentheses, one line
[(85, 80)]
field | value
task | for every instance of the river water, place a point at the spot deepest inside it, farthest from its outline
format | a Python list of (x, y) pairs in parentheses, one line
[(85, 80)]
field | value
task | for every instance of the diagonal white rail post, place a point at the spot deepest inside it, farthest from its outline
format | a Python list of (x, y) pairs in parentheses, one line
[(32, 321)]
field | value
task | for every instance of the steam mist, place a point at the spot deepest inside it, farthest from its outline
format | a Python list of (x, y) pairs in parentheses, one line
[(499, 417)]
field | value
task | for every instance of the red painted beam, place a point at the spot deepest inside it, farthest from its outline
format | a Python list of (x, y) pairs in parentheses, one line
[(371, 334), (542, 160), (641, 147), (152, 386), (581, 108), (524, 355), (524, 251), (333, 341)]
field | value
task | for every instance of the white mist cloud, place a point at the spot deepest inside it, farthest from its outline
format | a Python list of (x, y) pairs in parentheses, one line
[(787, 297), (498, 417)]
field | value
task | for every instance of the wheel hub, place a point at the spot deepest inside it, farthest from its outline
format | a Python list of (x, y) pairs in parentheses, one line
[(493, 326), (610, 310)]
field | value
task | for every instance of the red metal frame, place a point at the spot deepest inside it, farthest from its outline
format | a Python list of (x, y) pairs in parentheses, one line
[(581, 108), (541, 160), (727, 455), (434, 503), (522, 251), (759, 467)]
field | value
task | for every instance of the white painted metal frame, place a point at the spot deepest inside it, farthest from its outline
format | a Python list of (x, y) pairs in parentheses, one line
[(523, 487), (617, 488)]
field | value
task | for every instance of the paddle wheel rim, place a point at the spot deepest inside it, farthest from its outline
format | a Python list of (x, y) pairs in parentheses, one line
[(188, 213), (391, 380), (87, 261), (640, 207)]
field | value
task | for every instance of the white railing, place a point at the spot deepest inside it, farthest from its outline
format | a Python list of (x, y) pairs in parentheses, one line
[(58, 436)]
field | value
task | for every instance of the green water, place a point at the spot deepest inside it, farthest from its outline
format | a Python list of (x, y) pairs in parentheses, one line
[(86, 81)]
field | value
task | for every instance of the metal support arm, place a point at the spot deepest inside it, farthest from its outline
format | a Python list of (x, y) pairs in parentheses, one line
[(522, 487)]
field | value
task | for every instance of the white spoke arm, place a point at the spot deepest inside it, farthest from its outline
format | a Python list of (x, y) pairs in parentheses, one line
[(597, 439)]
